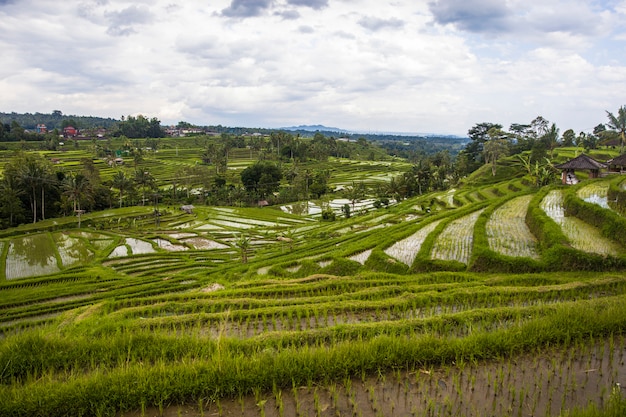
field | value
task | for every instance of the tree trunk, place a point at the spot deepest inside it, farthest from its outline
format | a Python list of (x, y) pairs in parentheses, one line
[(43, 205), (33, 205)]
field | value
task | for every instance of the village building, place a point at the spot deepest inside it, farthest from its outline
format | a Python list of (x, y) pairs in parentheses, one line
[(70, 132), (581, 163)]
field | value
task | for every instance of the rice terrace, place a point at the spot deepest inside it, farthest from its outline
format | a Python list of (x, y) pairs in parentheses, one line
[(283, 275)]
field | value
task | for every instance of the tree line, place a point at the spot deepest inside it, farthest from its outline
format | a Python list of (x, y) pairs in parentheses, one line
[(288, 168)]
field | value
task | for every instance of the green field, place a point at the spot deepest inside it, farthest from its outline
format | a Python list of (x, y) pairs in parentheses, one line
[(493, 298)]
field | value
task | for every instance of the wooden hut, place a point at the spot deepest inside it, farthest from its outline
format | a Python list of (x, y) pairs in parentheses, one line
[(581, 163), (617, 164)]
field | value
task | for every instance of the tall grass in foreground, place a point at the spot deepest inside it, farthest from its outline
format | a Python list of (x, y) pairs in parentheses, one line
[(221, 372)]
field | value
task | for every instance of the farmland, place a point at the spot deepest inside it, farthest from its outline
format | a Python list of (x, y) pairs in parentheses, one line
[(487, 299)]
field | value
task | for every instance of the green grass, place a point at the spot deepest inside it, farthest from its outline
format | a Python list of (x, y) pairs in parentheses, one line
[(317, 303)]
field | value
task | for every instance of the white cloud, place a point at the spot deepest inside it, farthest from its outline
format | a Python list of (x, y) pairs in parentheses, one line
[(358, 64)]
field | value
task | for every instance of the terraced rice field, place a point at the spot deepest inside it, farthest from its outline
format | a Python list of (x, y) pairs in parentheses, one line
[(507, 231), (31, 255), (323, 318), (595, 193), (455, 242), (406, 250), (431, 344), (581, 235)]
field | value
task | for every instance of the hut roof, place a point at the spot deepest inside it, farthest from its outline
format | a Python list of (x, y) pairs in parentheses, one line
[(188, 208), (581, 162), (618, 160)]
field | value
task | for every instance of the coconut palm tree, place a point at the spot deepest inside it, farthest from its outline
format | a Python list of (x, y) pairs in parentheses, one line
[(33, 173), (122, 183), (77, 188), (619, 125), (145, 180)]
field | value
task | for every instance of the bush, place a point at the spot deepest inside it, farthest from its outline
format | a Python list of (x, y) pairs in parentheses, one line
[(328, 215), (379, 261), (342, 267)]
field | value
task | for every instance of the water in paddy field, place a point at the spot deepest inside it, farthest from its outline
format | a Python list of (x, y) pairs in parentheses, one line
[(302, 208), (595, 194), (602, 201), (30, 256)]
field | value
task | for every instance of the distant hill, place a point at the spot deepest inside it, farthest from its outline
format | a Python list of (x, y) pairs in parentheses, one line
[(315, 128), (55, 119)]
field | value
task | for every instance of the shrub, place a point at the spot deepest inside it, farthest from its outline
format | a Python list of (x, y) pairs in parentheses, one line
[(342, 267), (379, 261)]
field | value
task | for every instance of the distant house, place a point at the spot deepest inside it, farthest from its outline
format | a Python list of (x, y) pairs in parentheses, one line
[(41, 128), (187, 208), (70, 132), (581, 163)]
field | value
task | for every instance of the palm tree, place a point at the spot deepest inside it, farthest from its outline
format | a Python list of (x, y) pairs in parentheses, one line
[(144, 179), (122, 183), (34, 174), (619, 124), (76, 187)]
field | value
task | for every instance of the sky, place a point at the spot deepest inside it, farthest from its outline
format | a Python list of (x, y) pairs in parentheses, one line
[(432, 66)]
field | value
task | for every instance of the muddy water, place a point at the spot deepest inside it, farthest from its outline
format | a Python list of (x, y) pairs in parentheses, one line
[(537, 385)]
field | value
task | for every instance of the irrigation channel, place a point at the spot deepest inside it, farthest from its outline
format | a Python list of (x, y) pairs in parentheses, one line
[(545, 384)]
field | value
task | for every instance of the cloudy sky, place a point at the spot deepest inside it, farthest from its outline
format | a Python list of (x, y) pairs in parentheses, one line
[(369, 65)]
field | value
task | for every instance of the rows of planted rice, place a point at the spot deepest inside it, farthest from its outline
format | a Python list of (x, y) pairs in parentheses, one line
[(406, 250), (149, 337), (507, 231), (30, 301), (455, 242), (318, 306), (345, 172), (581, 235)]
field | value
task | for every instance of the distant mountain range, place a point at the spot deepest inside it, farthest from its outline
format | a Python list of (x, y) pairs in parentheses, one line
[(322, 128), (315, 128)]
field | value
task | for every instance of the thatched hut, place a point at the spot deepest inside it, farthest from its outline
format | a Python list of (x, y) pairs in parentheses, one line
[(617, 164), (581, 163)]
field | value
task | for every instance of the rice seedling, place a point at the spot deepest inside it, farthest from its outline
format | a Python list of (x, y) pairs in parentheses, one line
[(455, 242), (405, 250), (361, 257), (507, 231)]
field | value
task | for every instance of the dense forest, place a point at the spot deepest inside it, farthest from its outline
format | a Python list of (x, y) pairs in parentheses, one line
[(55, 120)]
